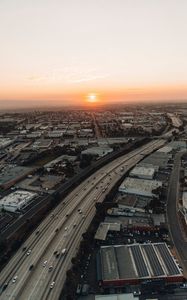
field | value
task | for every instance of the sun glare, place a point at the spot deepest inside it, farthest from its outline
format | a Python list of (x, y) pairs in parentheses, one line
[(92, 98)]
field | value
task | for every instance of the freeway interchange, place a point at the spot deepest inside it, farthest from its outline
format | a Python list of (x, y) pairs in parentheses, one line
[(38, 269)]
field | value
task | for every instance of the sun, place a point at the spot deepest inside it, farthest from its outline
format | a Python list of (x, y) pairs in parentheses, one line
[(92, 98)]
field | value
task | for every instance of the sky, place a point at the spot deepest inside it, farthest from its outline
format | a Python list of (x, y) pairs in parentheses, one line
[(62, 51)]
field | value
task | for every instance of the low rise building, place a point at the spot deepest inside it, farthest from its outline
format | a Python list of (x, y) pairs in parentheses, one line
[(132, 264), (97, 151), (141, 187), (142, 172), (16, 200)]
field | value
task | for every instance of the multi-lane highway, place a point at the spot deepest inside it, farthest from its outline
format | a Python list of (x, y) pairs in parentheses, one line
[(38, 269)]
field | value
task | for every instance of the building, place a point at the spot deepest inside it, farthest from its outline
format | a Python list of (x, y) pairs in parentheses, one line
[(16, 200), (132, 264), (97, 151), (5, 142), (142, 172), (128, 296), (103, 229), (140, 187), (42, 144), (184, 206), (11, 174)]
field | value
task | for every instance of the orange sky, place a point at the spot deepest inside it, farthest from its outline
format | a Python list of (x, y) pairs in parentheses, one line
[(58, 52)]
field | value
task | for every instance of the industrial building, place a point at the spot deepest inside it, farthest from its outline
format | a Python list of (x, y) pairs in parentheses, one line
[(126, 296), (97, 151), (103, 229), (132, 264), (132, 202), (142, 172), (16, 200), (5, 142), (11, 174), (184, 206), (141, 187), (157, 158), (42, 144)]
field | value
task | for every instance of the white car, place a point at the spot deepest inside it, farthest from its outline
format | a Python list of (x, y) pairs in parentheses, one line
[(52, 284), (45, 263), (14, 279), (29, 252)]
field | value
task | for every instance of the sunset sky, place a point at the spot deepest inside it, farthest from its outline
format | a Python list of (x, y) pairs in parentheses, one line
[(63, 51)]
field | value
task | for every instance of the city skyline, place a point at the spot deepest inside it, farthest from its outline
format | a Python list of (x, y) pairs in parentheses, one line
[(60, 52)]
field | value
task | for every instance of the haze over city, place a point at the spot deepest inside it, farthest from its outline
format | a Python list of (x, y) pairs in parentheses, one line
[(61, 52)]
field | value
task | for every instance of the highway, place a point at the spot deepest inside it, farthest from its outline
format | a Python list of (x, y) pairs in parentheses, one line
[(63, 229), (172, 213)]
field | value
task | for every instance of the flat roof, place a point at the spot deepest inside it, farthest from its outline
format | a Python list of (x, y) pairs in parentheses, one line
[(103, 229), (17, 197), (125, 296), (184, 199), (137, 261), (158, 159), (142, 171), (141, 185)]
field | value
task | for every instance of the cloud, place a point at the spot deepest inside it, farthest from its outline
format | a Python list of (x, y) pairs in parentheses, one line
[(85, 79)]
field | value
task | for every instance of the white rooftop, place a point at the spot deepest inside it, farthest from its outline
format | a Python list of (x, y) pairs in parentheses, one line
[(184, 199), (116, 297), (139, 186), (17, 197), (142, 171)]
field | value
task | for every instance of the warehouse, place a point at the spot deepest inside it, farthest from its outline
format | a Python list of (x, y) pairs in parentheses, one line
[(140, 187), (142, 172), (131, 264), (97, 151), (16, 200), (184, 206)]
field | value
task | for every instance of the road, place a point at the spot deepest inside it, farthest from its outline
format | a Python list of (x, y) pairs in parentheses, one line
[(63, 229), (172, 212)]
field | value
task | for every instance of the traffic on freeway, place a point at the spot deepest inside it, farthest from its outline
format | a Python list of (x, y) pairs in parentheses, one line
[(38, 269)]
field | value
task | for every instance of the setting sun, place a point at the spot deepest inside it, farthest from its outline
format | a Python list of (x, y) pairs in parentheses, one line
[(92, 98)]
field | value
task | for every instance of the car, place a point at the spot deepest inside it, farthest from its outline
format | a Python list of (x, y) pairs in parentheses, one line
[(67, 215), (14, 279), (29, 252), (31, 267), (50, 268), (5, 286), (24, 248), (66, 228), (55, 252), (45, 263), (52, 285), (63, 251), (74, 225), (56, 230)]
